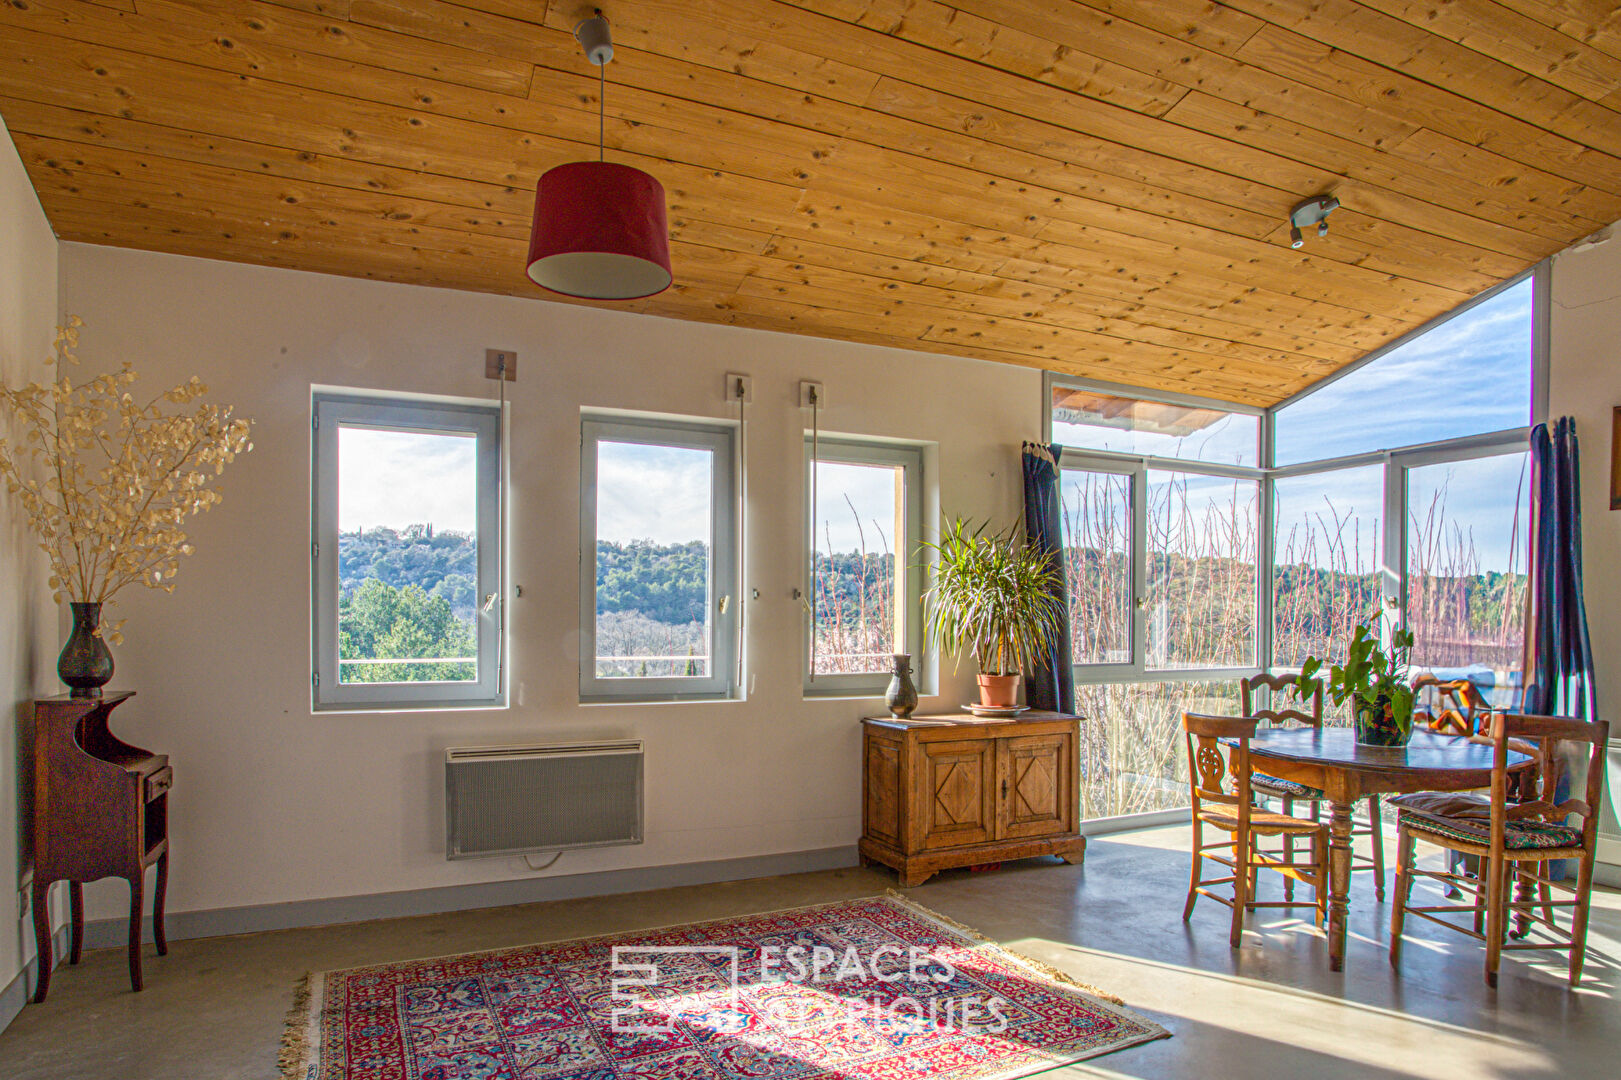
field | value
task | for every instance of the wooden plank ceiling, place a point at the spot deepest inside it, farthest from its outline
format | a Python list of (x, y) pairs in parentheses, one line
[(1096, 187)]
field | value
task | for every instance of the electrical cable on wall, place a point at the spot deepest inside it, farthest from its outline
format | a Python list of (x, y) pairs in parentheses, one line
[(742, 519), (816, 436)]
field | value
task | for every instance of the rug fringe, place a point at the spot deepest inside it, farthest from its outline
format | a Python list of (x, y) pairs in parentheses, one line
[(1035, 965), (293, 1059)]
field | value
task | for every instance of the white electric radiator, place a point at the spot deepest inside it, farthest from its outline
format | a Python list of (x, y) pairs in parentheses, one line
[(514, 800)]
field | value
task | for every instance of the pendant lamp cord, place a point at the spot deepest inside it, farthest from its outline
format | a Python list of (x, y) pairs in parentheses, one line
[(602, 93)]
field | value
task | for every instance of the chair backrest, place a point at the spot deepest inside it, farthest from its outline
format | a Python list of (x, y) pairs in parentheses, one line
[(1209, 767), (1459, 706), (1510, 731), (1279, 685)]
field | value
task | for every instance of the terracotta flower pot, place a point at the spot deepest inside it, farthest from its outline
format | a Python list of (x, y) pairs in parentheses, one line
[(999, 691)]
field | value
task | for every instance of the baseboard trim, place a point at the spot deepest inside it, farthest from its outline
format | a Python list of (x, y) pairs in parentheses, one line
[(221, 922), (21, 988), (1132, 822)]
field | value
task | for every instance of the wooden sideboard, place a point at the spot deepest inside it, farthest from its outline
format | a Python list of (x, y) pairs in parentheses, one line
[(101, 809), (948, 791)]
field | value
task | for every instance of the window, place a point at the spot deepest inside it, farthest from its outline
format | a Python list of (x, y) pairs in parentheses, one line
[(1469, 374), (1327, 528), (1467, 552), (1093, 420), (1098, 526), (407, 554), (659, 574), (866, 517), (1200, 596)]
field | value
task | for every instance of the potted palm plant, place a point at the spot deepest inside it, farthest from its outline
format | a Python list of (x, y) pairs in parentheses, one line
[(1375, 683), (994, 596)]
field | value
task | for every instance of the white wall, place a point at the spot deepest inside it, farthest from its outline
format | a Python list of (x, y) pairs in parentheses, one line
[(1586, 384), (273, 803), (28, 253)]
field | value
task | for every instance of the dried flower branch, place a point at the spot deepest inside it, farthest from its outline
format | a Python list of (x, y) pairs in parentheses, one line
[(108, 482)]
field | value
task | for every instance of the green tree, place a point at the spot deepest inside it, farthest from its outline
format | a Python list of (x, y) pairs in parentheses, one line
[(380, 622)]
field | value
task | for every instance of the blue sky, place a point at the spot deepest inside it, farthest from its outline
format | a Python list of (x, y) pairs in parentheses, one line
[(657, 493), (870, 490), (1469, 375)]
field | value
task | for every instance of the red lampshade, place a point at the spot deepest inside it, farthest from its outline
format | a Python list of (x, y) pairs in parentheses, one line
[(600, 232)]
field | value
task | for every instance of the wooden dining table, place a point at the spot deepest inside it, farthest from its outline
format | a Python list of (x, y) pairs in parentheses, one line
[(1331, 760)]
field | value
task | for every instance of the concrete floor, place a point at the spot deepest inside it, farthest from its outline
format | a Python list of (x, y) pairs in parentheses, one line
[(213, 1009)]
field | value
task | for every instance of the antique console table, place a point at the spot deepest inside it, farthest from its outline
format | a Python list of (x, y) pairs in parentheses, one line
[(101, 809), (948, 791)]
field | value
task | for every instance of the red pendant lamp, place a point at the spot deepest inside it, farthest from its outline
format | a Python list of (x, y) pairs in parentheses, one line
[(600, 230)]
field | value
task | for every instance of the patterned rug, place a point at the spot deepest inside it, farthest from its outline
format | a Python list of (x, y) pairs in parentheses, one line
[(878, 988)]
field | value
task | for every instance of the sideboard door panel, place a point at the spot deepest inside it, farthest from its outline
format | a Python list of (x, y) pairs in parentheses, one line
[(959, 793), (1037, 776), (883, 794)]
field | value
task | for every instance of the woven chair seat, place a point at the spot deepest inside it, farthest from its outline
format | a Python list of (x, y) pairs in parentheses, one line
[(1471, 824), (1261, 821), (1280, 788)]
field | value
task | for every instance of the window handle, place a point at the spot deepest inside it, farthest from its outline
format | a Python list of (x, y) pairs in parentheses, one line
[(489, 602), (725, 602)]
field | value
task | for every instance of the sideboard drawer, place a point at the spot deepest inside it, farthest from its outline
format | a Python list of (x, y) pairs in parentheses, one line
[(159, 782)]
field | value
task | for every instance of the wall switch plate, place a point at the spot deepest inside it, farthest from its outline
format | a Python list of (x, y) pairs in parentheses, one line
[(811, 393), (495, 358), (733, 380)]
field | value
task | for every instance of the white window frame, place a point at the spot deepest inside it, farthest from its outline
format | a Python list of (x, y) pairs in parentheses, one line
[(1137, 468), (329, 412), (909, 587), (724, 591)]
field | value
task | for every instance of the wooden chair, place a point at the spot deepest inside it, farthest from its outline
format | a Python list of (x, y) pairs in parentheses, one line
[(1287, 792), (1511, 839), (1234, 812)]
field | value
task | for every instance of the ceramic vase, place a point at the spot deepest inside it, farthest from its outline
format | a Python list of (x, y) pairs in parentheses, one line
[(901, 697), (86, 664)]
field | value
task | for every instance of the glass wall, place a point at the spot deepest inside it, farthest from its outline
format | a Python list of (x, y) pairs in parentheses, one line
[(1133, 756), (1397, 496)]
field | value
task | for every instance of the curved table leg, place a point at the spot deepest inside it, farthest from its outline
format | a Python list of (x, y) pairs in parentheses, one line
[(1339, 880)]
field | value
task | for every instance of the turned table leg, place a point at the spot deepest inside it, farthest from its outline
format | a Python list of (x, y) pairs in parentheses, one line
[(1339, 880)]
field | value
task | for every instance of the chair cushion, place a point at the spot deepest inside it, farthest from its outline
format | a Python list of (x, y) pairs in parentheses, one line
[(1528, 834), (1277, 787), (1458, 804)]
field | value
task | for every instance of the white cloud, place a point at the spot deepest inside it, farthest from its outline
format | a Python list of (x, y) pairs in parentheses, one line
[(658, 493), (857, 508), (400, 478)]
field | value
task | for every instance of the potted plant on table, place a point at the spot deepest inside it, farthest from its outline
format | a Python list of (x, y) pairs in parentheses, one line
[(1375, 683), (996, 597), (107, 481)]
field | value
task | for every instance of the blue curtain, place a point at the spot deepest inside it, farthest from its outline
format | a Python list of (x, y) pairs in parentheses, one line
[(1558, 655), (1051, 685)]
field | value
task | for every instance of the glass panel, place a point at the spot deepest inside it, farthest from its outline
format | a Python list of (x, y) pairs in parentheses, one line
[(1133, 758), (1201, 570), (859, 525), (654, 520), (1096, 421), (407, 556), (1469, 375), (1097, 562), (1467, 552), (1325, 561)]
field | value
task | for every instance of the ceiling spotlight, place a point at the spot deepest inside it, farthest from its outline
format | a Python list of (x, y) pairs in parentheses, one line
[(1313, 211)]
